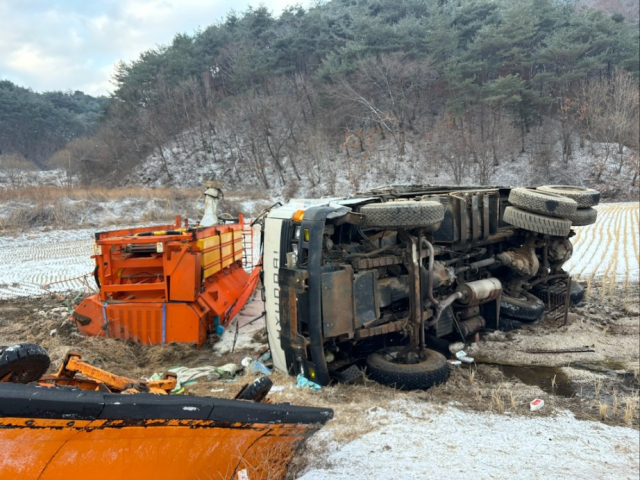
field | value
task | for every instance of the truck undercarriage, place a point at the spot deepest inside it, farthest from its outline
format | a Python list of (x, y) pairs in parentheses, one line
[(389, 278)]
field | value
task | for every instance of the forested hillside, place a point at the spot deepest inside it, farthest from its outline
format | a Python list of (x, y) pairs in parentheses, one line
[(352, 92), (33, 126)]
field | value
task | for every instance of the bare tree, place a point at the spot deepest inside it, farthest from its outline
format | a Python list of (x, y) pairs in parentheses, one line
[(610, 114), (390, 92), (14, 166)]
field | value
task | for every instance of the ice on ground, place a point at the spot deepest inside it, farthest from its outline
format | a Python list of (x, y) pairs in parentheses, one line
[(415, 440)]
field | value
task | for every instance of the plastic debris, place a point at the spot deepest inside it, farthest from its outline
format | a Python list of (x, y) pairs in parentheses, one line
[(277, 388), (257, 367), (536, 404), (454, 362), (304, 382), (190, 376), (463, 357), (265, 357)]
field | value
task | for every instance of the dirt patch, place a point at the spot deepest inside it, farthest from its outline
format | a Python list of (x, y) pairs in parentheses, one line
[(46, 322)]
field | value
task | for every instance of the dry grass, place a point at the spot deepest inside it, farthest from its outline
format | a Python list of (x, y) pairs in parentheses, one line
[(72, 207), (603, 409), (497, 402), (630, 409)]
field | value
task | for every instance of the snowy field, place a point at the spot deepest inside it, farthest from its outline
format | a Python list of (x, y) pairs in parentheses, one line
[(414, 440), (32, 260), (608, 249)]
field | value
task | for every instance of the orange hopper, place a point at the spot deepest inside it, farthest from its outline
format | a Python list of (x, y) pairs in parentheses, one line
[(169, 283)]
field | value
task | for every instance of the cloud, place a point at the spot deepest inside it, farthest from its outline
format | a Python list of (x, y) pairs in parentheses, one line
[(75, 44)]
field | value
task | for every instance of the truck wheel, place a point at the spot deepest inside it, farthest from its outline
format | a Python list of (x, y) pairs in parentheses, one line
[(403, 214), (256, 391), (583, 216), (534, 222), (23, 363), (584, 197), (527, 307), (415, 376), (543, 202)]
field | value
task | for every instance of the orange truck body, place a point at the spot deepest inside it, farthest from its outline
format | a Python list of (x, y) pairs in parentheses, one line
[(168, 283)]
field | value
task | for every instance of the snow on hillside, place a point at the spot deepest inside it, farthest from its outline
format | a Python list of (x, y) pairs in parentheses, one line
[(333, 173)]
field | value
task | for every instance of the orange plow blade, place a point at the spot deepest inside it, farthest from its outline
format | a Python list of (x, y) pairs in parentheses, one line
[(63, 433)]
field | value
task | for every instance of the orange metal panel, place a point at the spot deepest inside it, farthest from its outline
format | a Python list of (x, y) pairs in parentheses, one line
[(223, 290), (192, 449), (146, 323), (133, 287), (184, 282)]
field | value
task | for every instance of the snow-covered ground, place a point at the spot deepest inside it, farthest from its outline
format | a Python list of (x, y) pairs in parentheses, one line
[(609, 248), (415, 440), (32, 260)]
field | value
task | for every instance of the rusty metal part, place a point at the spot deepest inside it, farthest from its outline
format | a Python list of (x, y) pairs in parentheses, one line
[(415, 302), (560, 250), (523, 261), (76, 372), (475, 266), (472, 325), (430, 270), (480, 291), (469, 312), (369, 263), (557, 303), (443, 305), (443, 276), (396, 326)]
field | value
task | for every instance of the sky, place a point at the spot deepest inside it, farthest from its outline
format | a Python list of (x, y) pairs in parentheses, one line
[(73, 45)]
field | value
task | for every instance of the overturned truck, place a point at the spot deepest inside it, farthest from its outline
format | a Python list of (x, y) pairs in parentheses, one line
[(389, 278)]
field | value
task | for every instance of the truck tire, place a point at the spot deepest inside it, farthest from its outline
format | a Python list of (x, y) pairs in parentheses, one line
[(527, 307), (584, 197), (23, 363), (256, 390), (403, 214), (583, 216), (543, 202), (417, 376), (534, 222), (510, 324)]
